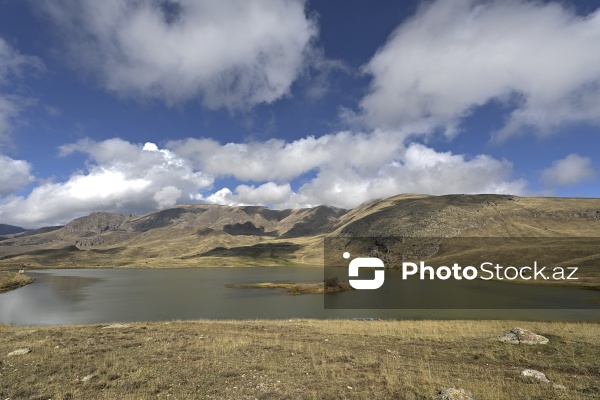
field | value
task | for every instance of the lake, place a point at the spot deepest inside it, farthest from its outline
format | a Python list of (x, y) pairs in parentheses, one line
[(70, 296)]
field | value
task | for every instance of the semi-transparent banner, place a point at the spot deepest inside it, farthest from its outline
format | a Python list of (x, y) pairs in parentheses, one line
[(462, 273)]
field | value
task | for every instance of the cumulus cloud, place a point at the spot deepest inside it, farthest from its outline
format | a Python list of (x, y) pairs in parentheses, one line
[(14, 175), (229, 53), (419, 169), (452, 57), (266, 194), (121, 177), (343, 169), (13, 65), (570, 170), (279, 160)]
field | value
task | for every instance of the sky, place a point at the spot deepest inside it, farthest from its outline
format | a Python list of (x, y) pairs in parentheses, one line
[(133, 106)]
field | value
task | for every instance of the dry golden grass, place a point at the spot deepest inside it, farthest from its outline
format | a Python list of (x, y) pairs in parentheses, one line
[(296, 359), (298, 287), (178, 252), (12, 280), (292, 288)]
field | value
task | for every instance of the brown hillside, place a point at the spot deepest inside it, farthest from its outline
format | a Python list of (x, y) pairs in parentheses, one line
[(213, 235)]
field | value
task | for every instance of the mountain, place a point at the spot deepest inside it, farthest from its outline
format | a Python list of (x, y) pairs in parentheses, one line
[(474, 215), (10, 229), (214, 235), (173, 236)]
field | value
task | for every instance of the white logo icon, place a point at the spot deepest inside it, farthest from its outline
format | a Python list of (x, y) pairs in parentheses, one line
[(365, 262)]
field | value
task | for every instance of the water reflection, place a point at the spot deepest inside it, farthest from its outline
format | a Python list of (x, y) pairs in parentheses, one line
[(70, 288), (122, 295)]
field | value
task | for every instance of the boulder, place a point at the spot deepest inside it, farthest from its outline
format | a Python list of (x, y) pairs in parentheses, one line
[(19, 352), (537, 375), (455, 394), (522, 336)]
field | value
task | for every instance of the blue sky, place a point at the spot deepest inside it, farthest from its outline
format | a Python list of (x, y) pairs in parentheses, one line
[(134, 106)]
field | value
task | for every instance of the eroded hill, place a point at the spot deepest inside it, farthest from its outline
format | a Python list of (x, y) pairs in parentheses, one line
[(213, 235)]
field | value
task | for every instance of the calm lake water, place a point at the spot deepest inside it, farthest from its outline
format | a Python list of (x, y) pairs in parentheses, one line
[(126, 295)]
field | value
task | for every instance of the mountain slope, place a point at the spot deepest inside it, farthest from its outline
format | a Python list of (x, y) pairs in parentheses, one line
[(10, 229), (474, 215), (174, 236), (213, 235)]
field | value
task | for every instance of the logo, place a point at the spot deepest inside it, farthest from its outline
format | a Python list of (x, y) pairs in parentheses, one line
[(365, 262)]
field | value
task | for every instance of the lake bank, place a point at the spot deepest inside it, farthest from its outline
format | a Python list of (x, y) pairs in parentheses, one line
[(13, 280), (296, 359)]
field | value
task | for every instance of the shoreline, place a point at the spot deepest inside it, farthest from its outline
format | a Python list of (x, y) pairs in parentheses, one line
[(582, 285), (13, 280)]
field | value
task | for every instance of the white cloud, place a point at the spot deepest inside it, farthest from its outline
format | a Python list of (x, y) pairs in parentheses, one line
[(14, 175), (279, 160), (167, 196), (452, 57), (229, 53), (121, 177), (343, 169), (568, 171), (222, 196), (13, 65), (419, 169), (267, 194)]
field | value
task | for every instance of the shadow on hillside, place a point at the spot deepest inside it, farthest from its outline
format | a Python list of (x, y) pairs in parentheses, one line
[(110, 251), (64, 252), (247, 228), (261, 250), (55, 253)]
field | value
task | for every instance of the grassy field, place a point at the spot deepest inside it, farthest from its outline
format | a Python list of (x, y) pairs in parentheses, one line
[(12, 280), (296, 359)]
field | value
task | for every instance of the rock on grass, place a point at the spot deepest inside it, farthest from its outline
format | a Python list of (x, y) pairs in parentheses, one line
[(522, 336), (19, 352), (455, 394), (537, 375)]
